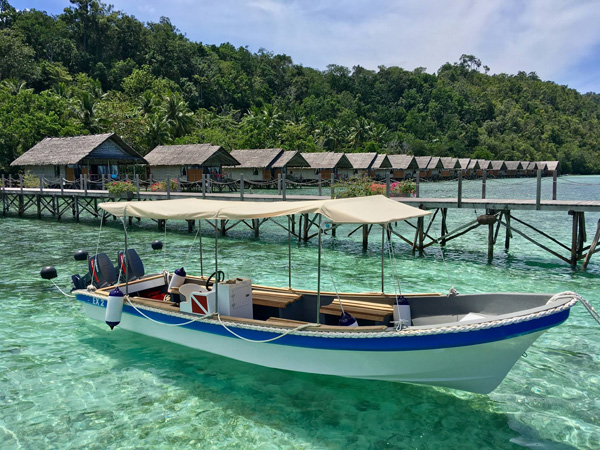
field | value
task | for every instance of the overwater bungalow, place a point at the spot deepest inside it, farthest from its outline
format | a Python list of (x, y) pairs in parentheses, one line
[(189, 162), (264, 164), (290, 161), (381, 167), (548, 167), (422, 163), (95, 155), (403, 166), (323, 163), (497, 169), (484, 166), (449, 167), (361, 164), (513, 168), (434, 168), (468, 166), (525, 171)]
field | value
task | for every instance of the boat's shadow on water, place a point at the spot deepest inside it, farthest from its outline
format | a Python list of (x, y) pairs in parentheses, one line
[(313, 411)]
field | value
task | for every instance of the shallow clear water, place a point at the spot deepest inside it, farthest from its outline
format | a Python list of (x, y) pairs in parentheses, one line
[(67, 382)]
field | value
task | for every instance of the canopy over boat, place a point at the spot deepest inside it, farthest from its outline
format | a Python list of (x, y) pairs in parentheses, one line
[(365, 210)]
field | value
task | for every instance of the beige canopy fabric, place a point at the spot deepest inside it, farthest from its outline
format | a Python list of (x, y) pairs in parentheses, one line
[(373, 209)]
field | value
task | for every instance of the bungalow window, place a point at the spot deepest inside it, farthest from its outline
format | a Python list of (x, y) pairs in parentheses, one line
[(57, 171), (255, 171), (317, 171)]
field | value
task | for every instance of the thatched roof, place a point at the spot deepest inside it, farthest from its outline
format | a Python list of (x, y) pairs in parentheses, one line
[(550, 165), (327, 160), (498, 165), (484, 164), (381, 162), (190, 154), (450, 163), (513, 165), (403, 162), (465, 163), (363, 161), (53, 151), (435, 163), (422, 161), (256, 158), (290, 158)]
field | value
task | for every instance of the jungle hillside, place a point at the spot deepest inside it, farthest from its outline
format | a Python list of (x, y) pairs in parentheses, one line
[(92, 69)]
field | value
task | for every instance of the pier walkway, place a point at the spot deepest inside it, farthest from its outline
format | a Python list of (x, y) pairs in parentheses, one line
[(498, 213)]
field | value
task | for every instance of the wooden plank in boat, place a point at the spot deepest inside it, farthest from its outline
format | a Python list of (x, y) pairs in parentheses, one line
[(273, 299), (377, 312)]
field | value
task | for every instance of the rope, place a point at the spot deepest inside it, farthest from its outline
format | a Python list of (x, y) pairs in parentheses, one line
[(194, 319), (587, 305), (336, 292), (190, 249), (61, 291), (299, 328), (98, 241)]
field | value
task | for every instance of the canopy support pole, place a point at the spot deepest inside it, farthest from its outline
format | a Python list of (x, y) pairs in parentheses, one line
[(319, 274), (216, 283), (289, 254), (125, 256), (382, 256), (200, 242)]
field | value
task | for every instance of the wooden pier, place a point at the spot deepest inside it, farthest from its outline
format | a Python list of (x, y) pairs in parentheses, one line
[(496, 214)]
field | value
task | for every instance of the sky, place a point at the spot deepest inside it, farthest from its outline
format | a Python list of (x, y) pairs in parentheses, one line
[(557, 39)]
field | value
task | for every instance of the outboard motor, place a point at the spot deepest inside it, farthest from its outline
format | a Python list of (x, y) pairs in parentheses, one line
[(135, 266), (114, 308), (102, 271)]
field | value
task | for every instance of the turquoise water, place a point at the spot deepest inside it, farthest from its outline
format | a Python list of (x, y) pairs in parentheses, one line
[(67, 382)]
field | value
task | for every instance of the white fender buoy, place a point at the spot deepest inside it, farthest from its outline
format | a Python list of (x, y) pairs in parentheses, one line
[(178, 279), (402, 312), (114, 308)]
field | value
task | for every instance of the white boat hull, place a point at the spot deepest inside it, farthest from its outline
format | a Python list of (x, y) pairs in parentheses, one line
[(476, 368)]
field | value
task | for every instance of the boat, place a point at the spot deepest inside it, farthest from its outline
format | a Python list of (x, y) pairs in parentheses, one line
[(460, 341)]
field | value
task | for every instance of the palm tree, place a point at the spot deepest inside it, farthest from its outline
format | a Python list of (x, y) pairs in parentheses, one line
[(157, 131), (178, 115), (359, 132), (14, 86), (147, 103), (85, 111)]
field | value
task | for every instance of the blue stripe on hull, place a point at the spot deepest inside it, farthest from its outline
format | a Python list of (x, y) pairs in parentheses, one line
[(392, 343)]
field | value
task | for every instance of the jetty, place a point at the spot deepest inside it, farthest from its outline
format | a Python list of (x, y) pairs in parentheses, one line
[(497, 215)]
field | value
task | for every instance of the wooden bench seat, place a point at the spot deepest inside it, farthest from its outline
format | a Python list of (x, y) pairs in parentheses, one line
[(377, 312), (274, 299)]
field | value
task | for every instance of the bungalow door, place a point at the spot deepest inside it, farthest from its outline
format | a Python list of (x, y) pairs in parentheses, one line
[(194, 174), (69, 173), (325, 174), (266, 174)]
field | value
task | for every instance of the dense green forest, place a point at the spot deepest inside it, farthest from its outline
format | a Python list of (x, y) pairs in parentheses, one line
[(92, 69)]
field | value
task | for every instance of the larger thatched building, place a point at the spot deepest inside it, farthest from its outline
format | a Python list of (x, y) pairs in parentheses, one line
[(70, 157)]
